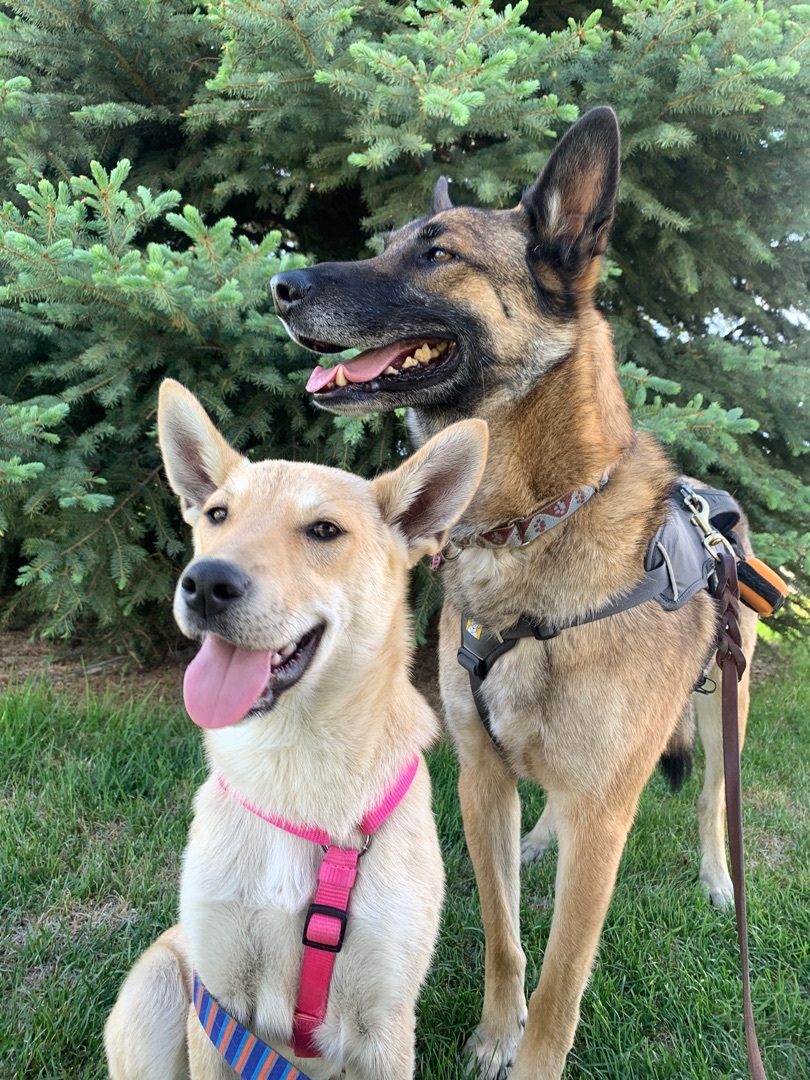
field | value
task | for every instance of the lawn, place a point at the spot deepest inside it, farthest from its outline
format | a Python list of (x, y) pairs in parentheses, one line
[(96, 795)]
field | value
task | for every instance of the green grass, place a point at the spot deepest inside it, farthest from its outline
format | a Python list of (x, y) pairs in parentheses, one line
[(95, 806)]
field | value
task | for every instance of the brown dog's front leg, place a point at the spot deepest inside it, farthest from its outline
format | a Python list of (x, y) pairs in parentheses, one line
[(491, 811), (591, 837)]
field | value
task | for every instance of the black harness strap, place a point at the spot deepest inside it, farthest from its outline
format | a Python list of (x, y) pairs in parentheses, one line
[(480, 648)]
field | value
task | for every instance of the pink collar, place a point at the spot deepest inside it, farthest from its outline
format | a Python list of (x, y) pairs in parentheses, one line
[(370, 822), (325, 922)]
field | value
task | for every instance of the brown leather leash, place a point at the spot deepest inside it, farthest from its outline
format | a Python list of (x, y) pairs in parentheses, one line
[(731, 661)]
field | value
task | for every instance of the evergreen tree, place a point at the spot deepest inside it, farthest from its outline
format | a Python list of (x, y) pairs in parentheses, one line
[(100, 81), (311, 129)]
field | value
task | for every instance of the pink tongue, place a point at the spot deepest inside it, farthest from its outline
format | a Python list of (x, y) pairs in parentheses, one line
[(366, 366), (222, 683)]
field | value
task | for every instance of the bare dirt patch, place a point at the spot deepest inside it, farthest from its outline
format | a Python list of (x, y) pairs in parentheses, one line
[(72, 672)]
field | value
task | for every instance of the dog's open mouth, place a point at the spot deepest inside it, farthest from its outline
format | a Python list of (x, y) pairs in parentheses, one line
[(392, 367), (286, 668), (224, 683)]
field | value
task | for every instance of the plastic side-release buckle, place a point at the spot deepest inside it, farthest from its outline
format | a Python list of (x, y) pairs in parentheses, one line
[(472, 664)]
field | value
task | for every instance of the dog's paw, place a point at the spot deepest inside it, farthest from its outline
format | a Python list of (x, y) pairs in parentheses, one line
[(535, 844), (719, 888), (487, 1057)]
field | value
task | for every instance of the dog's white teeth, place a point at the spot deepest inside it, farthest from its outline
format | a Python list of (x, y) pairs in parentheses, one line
[(330, 385), (340, 378), (423, 355), (281, 656)]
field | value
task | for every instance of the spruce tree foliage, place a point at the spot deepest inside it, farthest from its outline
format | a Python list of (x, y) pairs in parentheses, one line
[(88, 81), (306, 130)]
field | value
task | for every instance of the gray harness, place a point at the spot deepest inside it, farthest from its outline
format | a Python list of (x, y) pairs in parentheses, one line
[(677, 566)]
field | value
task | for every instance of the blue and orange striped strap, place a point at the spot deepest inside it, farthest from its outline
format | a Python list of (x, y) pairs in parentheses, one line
[(250, 1057)]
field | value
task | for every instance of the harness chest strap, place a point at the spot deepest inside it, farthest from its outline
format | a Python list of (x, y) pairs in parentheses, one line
[(326, 918), (480, 648)]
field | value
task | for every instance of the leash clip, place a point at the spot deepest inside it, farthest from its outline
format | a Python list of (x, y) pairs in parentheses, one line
[(712, 539)]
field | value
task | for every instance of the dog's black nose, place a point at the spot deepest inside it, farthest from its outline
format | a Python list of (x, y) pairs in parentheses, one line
[(290, 289), (211, 586)]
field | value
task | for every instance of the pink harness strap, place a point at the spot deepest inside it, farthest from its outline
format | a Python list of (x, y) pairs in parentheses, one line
[(326, 918)]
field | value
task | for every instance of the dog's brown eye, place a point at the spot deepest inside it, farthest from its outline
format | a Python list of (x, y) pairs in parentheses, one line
[(438, 254), (324, 530), (217, 514)]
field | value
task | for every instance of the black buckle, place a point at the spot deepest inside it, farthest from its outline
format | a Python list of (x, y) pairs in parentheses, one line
[(333, 913), (472, 664), (543, 631)]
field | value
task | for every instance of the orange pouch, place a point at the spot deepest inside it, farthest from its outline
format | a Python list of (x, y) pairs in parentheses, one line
[(760, 587)]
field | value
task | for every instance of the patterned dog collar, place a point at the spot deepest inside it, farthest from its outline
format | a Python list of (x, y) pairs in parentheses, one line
[(521, 531)]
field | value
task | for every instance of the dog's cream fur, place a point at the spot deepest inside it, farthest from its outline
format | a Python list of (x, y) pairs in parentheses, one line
[(328, 750)]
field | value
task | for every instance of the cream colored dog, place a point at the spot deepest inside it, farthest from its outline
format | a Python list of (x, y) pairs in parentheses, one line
[(298, 591)]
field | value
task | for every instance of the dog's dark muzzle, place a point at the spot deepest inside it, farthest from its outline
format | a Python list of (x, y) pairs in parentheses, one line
[(372, 305), (337, 306), (320, 300)]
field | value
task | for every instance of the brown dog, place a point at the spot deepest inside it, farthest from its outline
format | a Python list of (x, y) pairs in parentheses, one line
[(473, 312)]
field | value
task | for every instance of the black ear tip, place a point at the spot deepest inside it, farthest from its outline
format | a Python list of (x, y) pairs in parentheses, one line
[(602, 112), (601, 117)]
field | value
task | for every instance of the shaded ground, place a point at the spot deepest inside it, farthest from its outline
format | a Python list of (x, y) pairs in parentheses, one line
[(72, 674)]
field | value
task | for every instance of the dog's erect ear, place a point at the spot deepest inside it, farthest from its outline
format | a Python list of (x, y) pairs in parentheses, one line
[(572, 203), (441, 197), (427, 495), (196, 457)]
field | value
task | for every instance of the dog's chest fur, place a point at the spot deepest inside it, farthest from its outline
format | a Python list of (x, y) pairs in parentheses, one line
[(246, 885)]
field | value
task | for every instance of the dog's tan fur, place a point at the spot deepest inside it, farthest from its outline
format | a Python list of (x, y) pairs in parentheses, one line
[(589, 713), (333, 743)]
